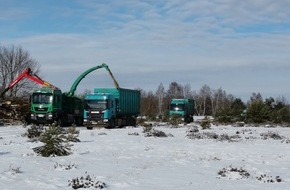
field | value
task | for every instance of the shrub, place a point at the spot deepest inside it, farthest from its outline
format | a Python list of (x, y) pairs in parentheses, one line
[(86, 182), (64, 166), (205, 123), (234, 173), (157, 133), (269, 179), (147, 128), (135, 134), (271, 135), (193, 129), (175, 120), (55, 143), (34, 132), (14, 170)]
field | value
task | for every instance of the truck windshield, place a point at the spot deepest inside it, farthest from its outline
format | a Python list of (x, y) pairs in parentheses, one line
[(96, 104), (177, 107), (42, 98)]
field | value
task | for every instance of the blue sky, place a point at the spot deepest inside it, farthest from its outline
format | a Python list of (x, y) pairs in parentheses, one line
[(239, 46)]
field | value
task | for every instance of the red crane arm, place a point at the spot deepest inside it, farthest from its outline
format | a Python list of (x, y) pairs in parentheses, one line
[(19, 78), (27, 73)]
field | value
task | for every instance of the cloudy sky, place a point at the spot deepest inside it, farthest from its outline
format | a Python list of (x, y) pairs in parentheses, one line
[(239, 46)]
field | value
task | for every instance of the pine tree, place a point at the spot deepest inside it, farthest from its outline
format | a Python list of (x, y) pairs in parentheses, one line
[(55, 143)]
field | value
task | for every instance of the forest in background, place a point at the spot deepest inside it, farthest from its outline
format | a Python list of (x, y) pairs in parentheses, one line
[(223, 106)]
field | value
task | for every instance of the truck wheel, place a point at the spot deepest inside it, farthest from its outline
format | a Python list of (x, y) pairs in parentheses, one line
[(76, 121), (111, 123), (187, 120), (81, 121), (60, 122), (89, 127)]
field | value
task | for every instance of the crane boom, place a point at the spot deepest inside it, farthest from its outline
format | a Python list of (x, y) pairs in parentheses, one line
[(84, 74), (27, 73)]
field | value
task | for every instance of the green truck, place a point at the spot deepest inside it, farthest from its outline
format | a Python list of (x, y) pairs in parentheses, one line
[(48, 104), (51, 105), (183, 108), (111, 107)]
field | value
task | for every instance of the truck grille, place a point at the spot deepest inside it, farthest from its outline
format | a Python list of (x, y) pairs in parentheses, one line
[(41, 119), (95, 116), (41, 109)]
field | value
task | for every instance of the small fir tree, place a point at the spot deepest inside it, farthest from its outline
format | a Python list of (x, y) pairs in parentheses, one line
[(34, 132), (55, 143), (175, 120), (205, 123)]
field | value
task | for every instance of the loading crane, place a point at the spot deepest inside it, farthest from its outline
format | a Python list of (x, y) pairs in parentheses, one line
[(84, 74), (27, 73)]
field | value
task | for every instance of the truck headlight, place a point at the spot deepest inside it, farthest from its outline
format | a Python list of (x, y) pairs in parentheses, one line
[(32, 116), (105, 120)]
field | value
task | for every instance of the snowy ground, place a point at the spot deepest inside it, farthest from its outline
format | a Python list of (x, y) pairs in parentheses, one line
[(124, 160)]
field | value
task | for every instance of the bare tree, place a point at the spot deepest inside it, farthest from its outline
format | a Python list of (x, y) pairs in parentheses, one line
[(148, 104), (198, 103), (205, 94), (187, 91), (218, 99), (175, 90), (13, 61), (282, 100), (160, 95)]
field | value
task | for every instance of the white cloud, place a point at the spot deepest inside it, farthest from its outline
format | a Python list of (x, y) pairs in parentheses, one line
[(148, 42)]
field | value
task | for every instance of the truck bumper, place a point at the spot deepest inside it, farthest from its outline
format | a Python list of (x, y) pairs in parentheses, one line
[(93, 123), (46, 118)]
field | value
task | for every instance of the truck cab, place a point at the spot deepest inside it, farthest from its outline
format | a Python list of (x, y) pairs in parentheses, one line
[(46, 104), (100, 109), (183, 108)]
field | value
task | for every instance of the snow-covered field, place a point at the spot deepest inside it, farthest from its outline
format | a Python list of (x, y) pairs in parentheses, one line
[(127, 159)]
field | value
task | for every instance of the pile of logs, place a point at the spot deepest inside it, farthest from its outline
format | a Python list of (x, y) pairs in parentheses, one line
[(13, 113)]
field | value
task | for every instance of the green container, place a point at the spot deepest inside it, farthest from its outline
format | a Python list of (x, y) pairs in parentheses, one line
[(127, 100), (72, 105)]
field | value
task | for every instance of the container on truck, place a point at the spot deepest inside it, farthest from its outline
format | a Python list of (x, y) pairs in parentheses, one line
[(183, 108)]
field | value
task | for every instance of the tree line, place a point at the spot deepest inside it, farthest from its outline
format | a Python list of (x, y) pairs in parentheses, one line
[(154, 104), (223, 106)]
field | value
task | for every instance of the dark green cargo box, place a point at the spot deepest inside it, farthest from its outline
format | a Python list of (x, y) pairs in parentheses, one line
[(127, 100)]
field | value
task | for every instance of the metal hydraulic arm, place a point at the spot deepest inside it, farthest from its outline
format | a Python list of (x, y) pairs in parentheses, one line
[(27, 73), (84, 74)]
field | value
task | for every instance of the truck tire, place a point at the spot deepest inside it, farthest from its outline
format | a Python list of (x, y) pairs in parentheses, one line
[(60, 122), (89, 127), (111, 123), (188, 119), (131, 121), (78, 121)]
